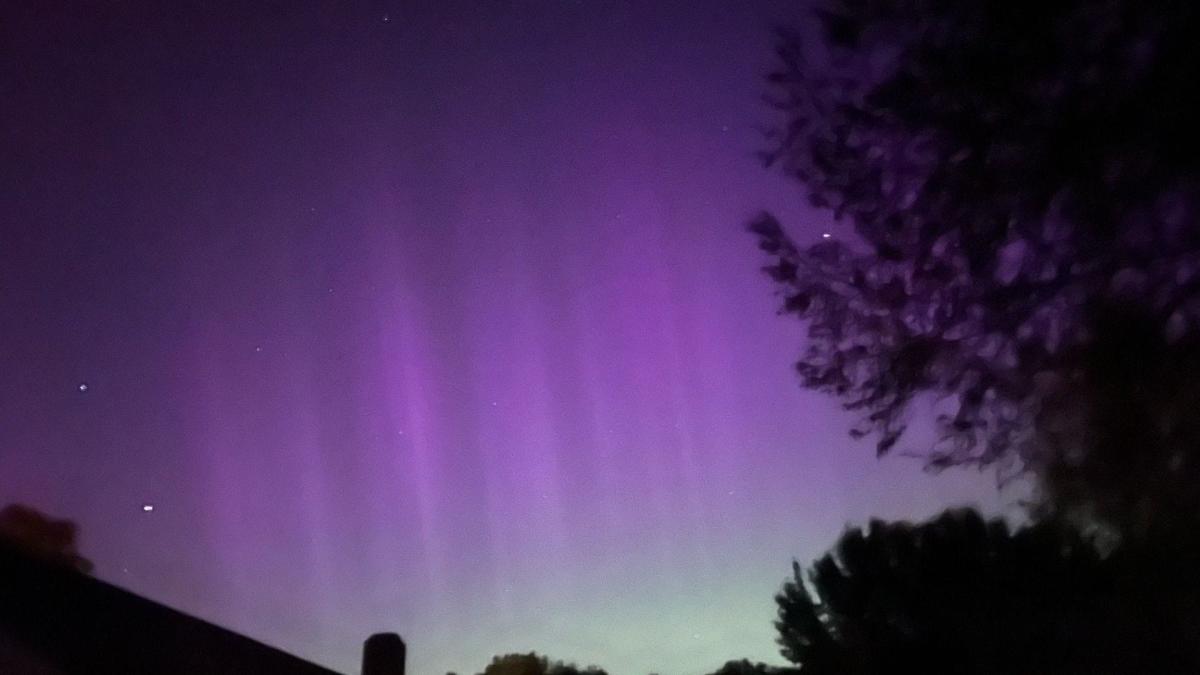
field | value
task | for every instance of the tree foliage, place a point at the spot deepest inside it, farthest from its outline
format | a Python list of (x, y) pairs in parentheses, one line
[(961, 594), (745, 667), (534, 664), (41, 536), (1022, 177)]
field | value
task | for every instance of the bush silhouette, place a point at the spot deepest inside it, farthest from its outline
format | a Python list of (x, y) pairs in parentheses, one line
[(961, 594), (41, 536)]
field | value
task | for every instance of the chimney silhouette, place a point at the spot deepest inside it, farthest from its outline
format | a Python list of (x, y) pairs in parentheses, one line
[(383, 654)]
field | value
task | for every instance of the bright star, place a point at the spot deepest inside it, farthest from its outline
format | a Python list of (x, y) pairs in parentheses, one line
[(83, 386), (147, 508)]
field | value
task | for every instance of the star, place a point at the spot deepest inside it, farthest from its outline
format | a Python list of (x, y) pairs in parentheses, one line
[(387, 18), (258, 348), (825, 235), (83, 387), (147, 508)]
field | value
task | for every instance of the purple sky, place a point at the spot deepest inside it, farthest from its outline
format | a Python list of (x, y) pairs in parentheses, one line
[(435, 320)]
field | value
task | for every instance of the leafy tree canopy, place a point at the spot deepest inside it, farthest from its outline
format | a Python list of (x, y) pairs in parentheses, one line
[(534, 664), (1024, 184)]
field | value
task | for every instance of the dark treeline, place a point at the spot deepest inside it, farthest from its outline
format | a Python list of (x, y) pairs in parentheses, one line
[(534, 664), (966, 595)]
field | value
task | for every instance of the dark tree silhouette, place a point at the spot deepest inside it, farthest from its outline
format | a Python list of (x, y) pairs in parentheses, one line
[(41, 536), (517, 664), (1025, 187), (960, 594), (744, 667), (533, 664)]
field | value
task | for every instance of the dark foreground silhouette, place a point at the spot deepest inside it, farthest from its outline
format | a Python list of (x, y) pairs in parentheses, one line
[(961, 594), (57, 620)]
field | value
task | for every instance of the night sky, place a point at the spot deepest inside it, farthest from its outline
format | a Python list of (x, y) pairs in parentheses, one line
[(323, 319)]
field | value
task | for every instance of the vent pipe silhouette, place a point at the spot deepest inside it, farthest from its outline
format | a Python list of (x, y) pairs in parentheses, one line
[(383, 654)]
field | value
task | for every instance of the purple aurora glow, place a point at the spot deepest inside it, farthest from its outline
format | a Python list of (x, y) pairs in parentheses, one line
[(322, 321)]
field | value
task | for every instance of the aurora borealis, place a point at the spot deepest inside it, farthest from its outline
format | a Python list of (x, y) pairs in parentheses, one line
[(439, 319)]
